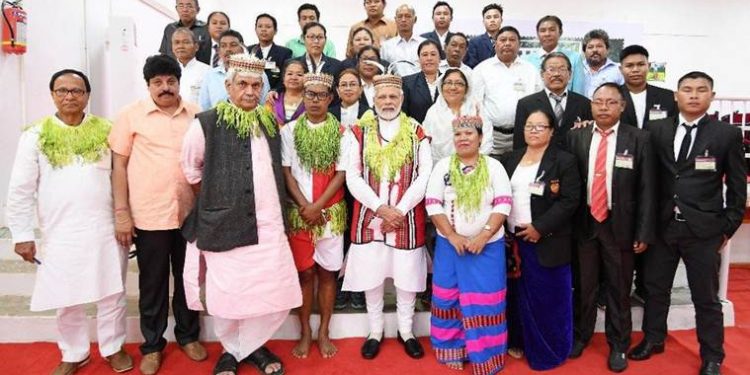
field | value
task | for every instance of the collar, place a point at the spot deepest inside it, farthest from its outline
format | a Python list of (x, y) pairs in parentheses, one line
[(613, 128), (606, 64), (197, 23), (401, 39), (548, 93), (543, 53), (444, 64), (189, 63), (354, 105), (682, 120), (381, 21), (150, 107)]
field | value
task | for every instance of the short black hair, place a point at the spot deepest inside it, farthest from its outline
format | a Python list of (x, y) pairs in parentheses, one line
[(69, 71), (552, 55), (161, 65), (310, 25), (490, 7), (611, 85), (595, 34), (550, 118), (511, 29), (633, 49), (696, 75), (426, 43), (270, 17), (286, 66), (212, 14), (368, 48), (554, 19), (308, 6), (457, 34), (233, 33), (443, 4)]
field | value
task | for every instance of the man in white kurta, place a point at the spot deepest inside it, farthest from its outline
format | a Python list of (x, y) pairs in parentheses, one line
[(388, 220), (62, 168), (232, 157), (184, 48)]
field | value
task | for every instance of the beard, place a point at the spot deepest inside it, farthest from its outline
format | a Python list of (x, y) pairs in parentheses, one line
[(387, 114)]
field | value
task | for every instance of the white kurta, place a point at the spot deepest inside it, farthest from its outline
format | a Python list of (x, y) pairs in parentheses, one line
[(368, 265), (81, 260)]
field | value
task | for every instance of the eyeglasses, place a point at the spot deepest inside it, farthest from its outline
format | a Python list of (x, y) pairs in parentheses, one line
[(312, 95), (535, 127), (556, 70), (316, 38), (458, 84), (606, 103), (61, 93), (345, 85)]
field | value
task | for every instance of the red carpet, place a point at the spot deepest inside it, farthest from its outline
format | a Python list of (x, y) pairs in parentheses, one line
[(681, 356)]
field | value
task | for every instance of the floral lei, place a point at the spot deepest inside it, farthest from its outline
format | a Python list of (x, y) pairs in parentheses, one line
[(246, 123), (470, 186), (318, 149), (62, 144), (392, 156)]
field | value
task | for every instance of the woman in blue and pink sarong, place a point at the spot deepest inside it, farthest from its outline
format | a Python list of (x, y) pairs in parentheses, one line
[(468, 198)]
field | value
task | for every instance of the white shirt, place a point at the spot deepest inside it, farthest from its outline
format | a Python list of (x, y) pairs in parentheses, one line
[(192, 79), (611, 147), (438, 124), (441, 199), (369, 90), (520, 213), (609, 72), (639, 105), (498, 87), (681, 132), (349, 114), (398, 49), (553, 102), (444, 66), (318, 65)]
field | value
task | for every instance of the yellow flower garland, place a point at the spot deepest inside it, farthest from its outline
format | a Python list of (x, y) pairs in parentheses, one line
[(392, 156)]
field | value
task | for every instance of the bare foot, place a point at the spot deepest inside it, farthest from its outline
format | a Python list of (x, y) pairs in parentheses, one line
[(455, 365), (516, 353), (273, 367), (302, 349), (326, 347)]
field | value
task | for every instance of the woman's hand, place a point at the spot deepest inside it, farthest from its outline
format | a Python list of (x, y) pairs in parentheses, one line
[(459, 242)]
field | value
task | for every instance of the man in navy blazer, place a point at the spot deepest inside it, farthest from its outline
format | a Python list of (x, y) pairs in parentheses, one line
[(643, 102), (482, 47), (266, 49), (442, 15)]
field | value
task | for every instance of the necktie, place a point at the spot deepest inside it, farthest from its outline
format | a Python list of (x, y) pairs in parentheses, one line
[(558, 107), (599, 210), (215, 59), (685, 146)]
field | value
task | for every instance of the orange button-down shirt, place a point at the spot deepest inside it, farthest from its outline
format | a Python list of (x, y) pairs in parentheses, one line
[(159, 195), (382, 29)]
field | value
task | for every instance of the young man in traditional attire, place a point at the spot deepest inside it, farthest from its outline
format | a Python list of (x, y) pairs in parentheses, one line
[(311, 150), (232, 158), (387, 173), (152, 198), (63, 167)]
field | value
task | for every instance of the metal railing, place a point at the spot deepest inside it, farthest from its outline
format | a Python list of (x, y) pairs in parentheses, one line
[(735, 111)]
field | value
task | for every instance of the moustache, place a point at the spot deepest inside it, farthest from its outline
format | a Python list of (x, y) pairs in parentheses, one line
[(166, 93)]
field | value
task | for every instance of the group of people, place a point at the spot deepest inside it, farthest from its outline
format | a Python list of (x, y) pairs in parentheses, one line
[(519, 188)]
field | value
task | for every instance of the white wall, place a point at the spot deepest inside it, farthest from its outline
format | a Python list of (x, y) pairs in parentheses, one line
[(689, 35)]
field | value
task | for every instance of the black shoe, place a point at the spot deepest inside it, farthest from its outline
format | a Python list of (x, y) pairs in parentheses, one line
[(342, 299), (710, 368), (645, 349), (617, 361), (577, 350), (370, 348), (412, 347), (357, 300), (226, 363)]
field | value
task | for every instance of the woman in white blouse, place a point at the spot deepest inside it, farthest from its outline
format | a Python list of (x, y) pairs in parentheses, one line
[(455, 100), (468, 198), (546, 192)]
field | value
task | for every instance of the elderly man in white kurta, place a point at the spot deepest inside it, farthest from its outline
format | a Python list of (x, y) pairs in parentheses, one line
[(62, 168), (387, 173), (232, 157)]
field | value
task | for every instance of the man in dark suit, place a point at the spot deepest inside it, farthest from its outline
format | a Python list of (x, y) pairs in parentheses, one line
[(616, 163), (563, 105), (266, 49), (482, 47), (696, 157), (442, 15), (643, 102), (187, 10)]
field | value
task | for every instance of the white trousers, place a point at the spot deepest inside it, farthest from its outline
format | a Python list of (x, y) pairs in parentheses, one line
[(404, 310), (73, 326), (241, 337)]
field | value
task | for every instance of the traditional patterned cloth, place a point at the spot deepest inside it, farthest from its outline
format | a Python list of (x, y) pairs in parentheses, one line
[(542, 304)]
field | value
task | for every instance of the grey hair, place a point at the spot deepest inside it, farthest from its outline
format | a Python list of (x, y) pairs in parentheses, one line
[(408, 7), (185, 30)]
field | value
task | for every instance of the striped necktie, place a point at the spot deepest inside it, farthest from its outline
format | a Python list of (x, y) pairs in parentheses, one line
[(599, 209), (215, 59), (559, 110)]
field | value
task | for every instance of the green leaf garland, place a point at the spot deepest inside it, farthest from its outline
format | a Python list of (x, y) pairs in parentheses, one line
[(318, 149), (335, 215), (246, 123), (395, 154), (62, 144), (470, 186)]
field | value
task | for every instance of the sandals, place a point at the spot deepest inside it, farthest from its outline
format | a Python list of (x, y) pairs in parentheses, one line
[(262, 358), (226, 363)]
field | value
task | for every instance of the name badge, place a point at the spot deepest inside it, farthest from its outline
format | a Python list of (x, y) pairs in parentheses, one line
[(657, 113), (624, 160), (536, 188), (270, 64), (705, 163), (519, 86)]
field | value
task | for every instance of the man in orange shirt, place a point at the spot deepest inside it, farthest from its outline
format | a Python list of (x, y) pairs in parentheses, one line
[(152, 198), (382, 28)]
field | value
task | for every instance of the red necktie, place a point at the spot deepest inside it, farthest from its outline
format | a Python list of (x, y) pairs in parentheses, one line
[(599, 208)]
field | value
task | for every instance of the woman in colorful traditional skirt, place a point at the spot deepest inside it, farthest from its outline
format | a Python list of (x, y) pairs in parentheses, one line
[(468, 198), (289, 106), (546, 191)]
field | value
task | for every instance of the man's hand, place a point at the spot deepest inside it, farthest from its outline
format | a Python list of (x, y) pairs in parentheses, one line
[(529, 233), (582, 124), (639, 247), (311, 215), (389, 214), (124, 228), (27, 250)]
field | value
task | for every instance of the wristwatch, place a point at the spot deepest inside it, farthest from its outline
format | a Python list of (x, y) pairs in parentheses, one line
[(488, 228)]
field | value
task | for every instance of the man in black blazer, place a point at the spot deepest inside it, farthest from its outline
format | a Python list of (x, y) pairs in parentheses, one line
[(573, 107), (442, 15), (696, 157), (643, 102), (617, 166), (266, 49)]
